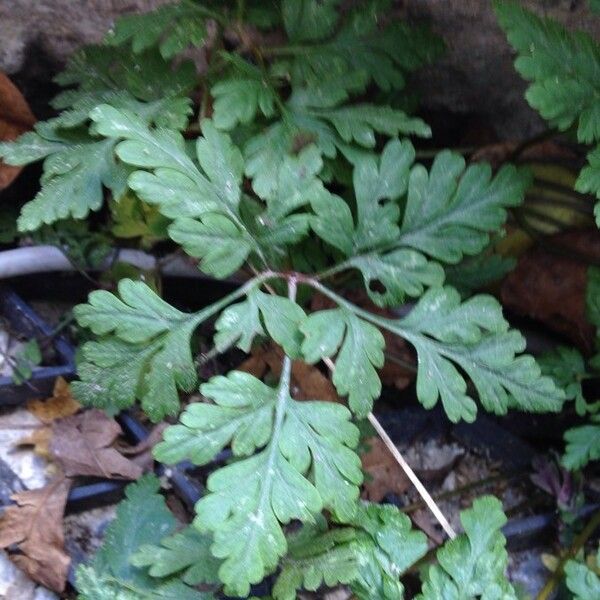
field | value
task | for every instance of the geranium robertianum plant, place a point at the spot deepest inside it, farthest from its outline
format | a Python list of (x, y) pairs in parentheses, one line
[(288, 174)]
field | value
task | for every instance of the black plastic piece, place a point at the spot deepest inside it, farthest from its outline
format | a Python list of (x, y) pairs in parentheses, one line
[(24, 321)]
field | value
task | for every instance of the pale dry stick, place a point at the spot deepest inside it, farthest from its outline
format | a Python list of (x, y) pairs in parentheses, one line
[(433, 507)]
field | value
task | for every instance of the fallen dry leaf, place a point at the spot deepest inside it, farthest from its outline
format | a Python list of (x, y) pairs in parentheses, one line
[(82, 445), (61, 404), (15, 118), (549, 284), (141, 454), (308, 383), (384, 474), (35, 524), (40, 439)]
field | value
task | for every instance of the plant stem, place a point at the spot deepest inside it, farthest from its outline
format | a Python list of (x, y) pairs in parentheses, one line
[(429, 501), (433, 507), (578, 543)]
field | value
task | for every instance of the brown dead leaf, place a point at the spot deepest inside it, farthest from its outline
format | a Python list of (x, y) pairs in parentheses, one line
[(82, 445), (141, 454), (384, 474), (35, 524), (549, 284), (40, 439), (15, 118), (61, 404), (308, 383)]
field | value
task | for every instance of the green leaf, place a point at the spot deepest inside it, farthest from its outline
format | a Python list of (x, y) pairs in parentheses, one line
[(157, 348), (75, 171), (239, 98), (589, 179), (145, 84), (361, 44), (216, 240), (474, 336), (582, 581), (240, 323), (203, 197), (450, 211), (316, 116), (301, 461), (582, 445), (316, 557), (386, 550), (358, 347), (308, 20), (369, 553), (446, 333), (562, 66), (110, 575), (479, 271), (566, 366), (186, 553), (472, 565), (172, 27)]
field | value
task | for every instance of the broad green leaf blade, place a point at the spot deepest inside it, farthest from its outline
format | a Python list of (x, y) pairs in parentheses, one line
[(110, 574), (150, 358), (472, 565), (137, 315), (186, 553), (300, 462), (359, 348), (243, 418), (214, 186), (582, 581), (451, 211), (582, 445)]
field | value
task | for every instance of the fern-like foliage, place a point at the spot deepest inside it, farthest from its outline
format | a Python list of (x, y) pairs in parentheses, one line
[(78, 163), (292, 180), (110, 575), (472, 565), (564, 70), (582, 581)]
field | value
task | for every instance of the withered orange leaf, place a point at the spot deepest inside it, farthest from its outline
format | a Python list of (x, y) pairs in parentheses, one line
[(35, 525), (61, 404), (15, 118), (82, 445)]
